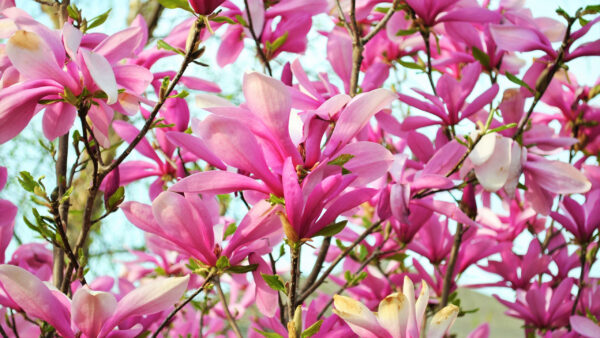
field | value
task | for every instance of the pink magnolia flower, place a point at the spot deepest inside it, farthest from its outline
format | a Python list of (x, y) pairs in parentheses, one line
[(580, 220), (65, 67), (8, 213), (35, 258), (398, 316), (430, 11), (450, 105), (189, 223), (93, 313)]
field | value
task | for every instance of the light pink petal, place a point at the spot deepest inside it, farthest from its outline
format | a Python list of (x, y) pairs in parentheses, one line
[(90, 309), (558, 177), (217, 182), (356, 115), (259, 224), (196, 146), (143, 26), (152, 297), (237, 146), (101, 116), (370, 162), (339, 55), (257, 13), (71, 38), (266, 298), (270, 101), (58, 119), (514, 38), (121, 45), (133, 78), (492, 174), (445, 158), (231, 46), (585, 326), (32, 57), (447, 209), (27, 291), (102, 74)]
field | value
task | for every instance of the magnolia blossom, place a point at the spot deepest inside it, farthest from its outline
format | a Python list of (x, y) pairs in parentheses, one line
[(399, 315)]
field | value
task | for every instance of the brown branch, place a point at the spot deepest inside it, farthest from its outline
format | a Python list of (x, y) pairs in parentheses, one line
[(256, 38), (318, 264), (381, 23), (294, 274), (230, 318), (449, 276)]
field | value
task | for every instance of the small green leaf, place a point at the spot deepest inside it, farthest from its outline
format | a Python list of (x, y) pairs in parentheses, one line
[(97, 21), (161, 44), (27, 181), (242, 268), (241, 20), (518, 81), (223, 263), (504, 127), (231, 228), (268, 334), (182, 94), (66, 195), (172, 4), (405, 32), (411, 65), (274, 200), (341, 160), (279, 42), (73, 12), (482, 57), (331, 229), (115, 199), (312, 330), (222, 19), (363, 253), (274, 282), (591, 9)]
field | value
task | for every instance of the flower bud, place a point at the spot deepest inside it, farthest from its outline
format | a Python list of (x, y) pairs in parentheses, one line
[(205, 7)]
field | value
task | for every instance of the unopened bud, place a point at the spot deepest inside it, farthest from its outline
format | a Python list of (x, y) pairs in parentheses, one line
[(288, 230)]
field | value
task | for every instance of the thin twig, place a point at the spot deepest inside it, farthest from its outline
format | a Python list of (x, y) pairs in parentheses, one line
[(256, 38), (294, 274), (582, 255), (449, 276), (381, 23), (230, 318), (279, 301), (318, 264), (425, 34), (182, 305), (335, 262)]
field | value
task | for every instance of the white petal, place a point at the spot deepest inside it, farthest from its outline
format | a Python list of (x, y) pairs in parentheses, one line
[(441, 321), (484, 149), (393, 314), (494, 172), (102, 73)]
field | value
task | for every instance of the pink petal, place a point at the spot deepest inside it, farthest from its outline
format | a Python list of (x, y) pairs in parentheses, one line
[(58, 119), (370, 162), (520, 39), (217, 182), (35, 298), (471, 14), (133, 78), (231, 46), (481, 101), (558, 177), (339, 55), (195, 146), (294, 200), (266, 298), (7, 224), (120, 45), (257, 13), (341, 204), (355, 117), (3, 177), (90, 309), (72, 39), (128, 133), (585, 326), (152, 297), (102, 74), (259, 223)]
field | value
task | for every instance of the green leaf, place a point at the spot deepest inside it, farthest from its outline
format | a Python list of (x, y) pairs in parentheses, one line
[(518, 81), (411, 65), (73, 12), (172, 4), (223, 263), (279, 42), (66, 195), (341, 160), (115, 199), (332, 229), (223, 19), (268, 334), (504, 127), (182, 94), (363, 253), (274, 200), (482, 57), (405, 32), (591, 9), (161, 44), (27, 181), (242, 268), (97, 21), (241, 20), (229, 231), (274, 282), (312, 330)]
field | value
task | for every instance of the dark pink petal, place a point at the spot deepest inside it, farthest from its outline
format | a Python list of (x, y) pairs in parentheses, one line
[(340, 205), (58, 119), (481, 101), (152, 297), (416, 122), (355, 117), (7, 224), (128, 133), (231, 46), (3, 177), (27, 291), (217, 182), (445, 158), (471, 14), (447, 209), (294, 200), (259, 224)]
